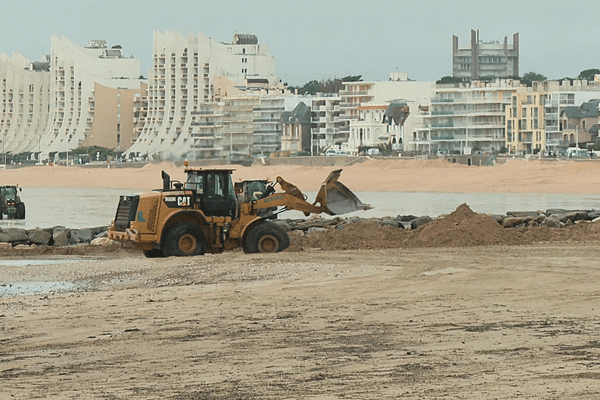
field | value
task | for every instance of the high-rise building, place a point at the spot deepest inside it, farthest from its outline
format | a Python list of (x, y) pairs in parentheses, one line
[(189, 72), (465, 117), (75, 74), (485, 60), (24, 97)]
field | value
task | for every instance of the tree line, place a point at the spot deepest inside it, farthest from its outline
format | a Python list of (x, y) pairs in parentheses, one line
[(334, 85)]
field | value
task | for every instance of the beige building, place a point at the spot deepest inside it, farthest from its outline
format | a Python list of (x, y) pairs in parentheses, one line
[(525, 133), (75, 73), (115, 117)]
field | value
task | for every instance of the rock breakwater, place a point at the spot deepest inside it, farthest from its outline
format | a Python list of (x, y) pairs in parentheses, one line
[(463, 227)]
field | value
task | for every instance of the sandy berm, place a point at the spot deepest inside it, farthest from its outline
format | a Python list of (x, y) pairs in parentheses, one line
[(459, 308)]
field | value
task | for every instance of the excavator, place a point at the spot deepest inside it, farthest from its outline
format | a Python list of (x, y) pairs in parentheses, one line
[(209, 213)]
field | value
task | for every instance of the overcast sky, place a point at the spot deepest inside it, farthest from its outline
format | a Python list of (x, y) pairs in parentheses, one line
[(321, 39)]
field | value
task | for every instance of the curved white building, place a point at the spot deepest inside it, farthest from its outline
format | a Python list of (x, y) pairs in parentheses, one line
[(74, 73), (24, 99), (186, 74)]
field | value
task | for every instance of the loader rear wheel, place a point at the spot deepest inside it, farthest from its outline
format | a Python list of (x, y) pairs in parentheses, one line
[(184, 240), (266, 237)]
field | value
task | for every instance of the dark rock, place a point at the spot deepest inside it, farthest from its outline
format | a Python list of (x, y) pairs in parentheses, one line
[(84, 235), (497, 217), (514, 222), (552, 222), (576, 215), (593, 214), (40, 236), (388, 222), (415, 223), (557, 211), (60, 236), (523, 214), (13, 235), (286, 226), (405, 218)]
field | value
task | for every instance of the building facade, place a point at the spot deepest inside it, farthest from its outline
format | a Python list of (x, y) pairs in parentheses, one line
[(357, 95), (485, 60), (189, 72), (524, 126), (25, 103), (297, 125), (559, 95), (327, 128), (465, 117), (75, 73)]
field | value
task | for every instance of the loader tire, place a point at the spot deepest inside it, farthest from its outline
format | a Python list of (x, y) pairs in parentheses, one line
[(21, 211), (266, 237), (184, 239), (154, 253)]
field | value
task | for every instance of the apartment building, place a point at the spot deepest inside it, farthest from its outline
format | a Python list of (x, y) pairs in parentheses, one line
[(75, 73), (207, 131), (189, 72), (465, 117), (524, 126), (267, 125), (327, 128), (25, 102), (557, 96), (357, 95), (485, 60)]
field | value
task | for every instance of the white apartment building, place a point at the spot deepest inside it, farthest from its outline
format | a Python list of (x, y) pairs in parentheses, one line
[(74, 73), (268, 121), (370, 129), (358, 95), (24, 95), (189, 72), (327, 130), (465, 117)]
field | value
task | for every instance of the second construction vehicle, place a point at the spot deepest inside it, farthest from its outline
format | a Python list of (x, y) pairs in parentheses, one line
[(208, 213)]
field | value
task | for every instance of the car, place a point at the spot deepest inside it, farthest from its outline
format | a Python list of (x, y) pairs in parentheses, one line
[(331, 152)]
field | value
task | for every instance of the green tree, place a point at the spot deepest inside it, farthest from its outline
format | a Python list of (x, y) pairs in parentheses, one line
[(531, 77), (448, 79), (589, 74), (330, 85)]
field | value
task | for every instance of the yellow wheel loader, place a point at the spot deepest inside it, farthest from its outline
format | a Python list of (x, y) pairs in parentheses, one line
[(208, 213)]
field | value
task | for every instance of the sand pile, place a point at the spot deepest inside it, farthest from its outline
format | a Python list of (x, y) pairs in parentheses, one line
[(461, 228)]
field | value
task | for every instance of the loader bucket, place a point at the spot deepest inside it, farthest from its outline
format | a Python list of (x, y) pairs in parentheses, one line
[(336, 198)]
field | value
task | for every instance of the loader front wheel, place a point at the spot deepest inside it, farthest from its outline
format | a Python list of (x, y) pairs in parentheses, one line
[(184, 240), (266, 237), (154, 253)]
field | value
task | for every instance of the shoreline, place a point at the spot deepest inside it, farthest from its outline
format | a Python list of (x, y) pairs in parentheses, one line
[(375, 175)]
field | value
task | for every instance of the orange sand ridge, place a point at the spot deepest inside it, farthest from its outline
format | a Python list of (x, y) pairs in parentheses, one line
[(515, 176)]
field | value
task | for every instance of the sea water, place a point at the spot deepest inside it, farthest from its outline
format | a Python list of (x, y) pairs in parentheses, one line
[(93, 207)]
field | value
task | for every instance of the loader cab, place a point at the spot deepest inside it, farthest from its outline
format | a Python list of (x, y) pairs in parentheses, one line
[(214, 192)]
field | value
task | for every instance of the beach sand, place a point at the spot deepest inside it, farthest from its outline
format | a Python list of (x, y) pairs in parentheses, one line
[(514, 176), (459, 308)]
